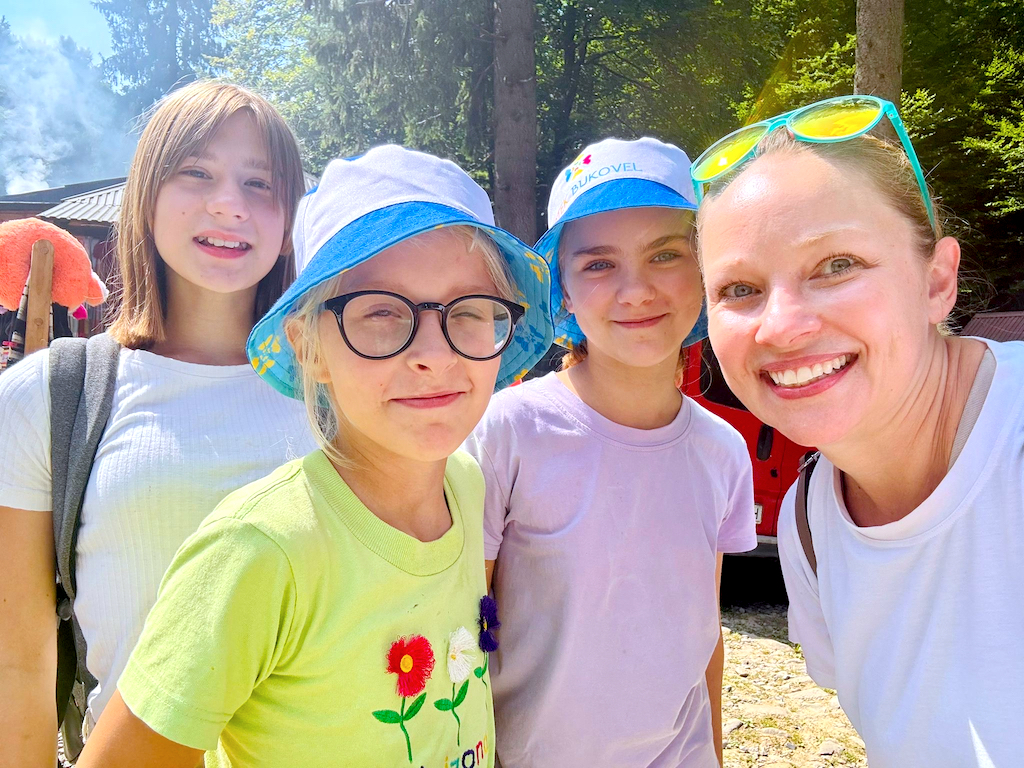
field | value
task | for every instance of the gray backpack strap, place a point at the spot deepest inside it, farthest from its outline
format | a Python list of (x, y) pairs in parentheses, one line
[(82, 378), (803, 526)]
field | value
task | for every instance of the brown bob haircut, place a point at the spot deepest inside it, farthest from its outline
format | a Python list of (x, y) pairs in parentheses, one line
[(180, 126)]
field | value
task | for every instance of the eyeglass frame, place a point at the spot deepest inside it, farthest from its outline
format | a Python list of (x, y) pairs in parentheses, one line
[(336, 306), (887, 109)]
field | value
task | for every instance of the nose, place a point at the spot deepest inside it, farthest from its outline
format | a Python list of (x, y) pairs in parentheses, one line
[(430, 350), (227, 200), (636, 287), (786, 318)]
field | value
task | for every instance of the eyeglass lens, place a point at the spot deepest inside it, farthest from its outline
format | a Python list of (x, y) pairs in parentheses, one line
[(378, 325)]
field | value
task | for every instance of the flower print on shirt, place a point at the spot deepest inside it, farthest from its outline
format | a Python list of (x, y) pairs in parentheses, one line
[(461, 650), (411, 659)]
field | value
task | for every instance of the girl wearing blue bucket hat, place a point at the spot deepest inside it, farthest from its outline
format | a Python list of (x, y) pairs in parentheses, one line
[(610, 496), (333, 613)]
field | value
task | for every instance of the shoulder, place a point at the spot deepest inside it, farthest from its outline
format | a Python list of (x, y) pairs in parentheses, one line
[(717, 438), (520, 404), (278, 507), (28, 380), (464, 476)]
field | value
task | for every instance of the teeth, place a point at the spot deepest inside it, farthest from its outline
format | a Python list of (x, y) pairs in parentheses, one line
[(216, 241), (807, 374)]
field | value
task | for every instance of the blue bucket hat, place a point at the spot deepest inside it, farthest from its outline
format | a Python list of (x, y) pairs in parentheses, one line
[(366, 204), (607, 176)]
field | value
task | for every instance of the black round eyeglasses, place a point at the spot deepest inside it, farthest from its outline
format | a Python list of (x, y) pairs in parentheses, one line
[(377, 325)]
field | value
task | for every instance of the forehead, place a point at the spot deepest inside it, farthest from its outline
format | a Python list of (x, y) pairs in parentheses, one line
[(784, 201), (625, 229), (432, 266)]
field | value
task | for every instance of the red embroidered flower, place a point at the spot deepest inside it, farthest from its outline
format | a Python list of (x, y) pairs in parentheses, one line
[(412, 660)]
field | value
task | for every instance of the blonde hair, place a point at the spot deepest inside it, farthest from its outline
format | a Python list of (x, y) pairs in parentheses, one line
[(180, 126), (303, 324), (578, 352), (882, 163)]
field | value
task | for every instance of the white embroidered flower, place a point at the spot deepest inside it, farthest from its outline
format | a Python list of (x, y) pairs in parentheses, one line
[(461, 653)]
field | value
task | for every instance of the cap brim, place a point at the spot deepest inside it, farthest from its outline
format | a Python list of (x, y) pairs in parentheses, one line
[(273, 357), (610, 196)]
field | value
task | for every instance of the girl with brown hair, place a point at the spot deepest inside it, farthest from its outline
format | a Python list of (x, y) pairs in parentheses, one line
[(204, 250)]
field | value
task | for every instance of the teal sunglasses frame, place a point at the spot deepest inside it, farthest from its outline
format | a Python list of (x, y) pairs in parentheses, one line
[(787, 119)]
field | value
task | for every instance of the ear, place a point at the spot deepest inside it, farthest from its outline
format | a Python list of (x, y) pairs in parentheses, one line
[(315, 365), (943, 270)]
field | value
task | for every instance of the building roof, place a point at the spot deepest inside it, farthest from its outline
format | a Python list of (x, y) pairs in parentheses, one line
[(998, 326), (97, 207), (44, 198), (101, 206)]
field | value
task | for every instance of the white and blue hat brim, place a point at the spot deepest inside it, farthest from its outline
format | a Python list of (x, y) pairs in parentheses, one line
[(611, 195), (273, 357)]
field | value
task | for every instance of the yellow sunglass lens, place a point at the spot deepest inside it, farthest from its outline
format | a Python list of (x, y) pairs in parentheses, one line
[(835, 120), (727, 152)]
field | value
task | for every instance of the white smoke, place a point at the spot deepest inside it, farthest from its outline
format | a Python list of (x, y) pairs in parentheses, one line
[(59, 123)]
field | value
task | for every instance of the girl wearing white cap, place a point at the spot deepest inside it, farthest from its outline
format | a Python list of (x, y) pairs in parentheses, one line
[(610, 496), (331, 614)]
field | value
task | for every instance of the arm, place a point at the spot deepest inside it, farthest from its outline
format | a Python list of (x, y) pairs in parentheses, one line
[(489, 571), (121, 739), (28, 639), (713, 675)]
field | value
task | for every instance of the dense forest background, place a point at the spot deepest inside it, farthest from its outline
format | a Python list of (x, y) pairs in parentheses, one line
[(349, 74)]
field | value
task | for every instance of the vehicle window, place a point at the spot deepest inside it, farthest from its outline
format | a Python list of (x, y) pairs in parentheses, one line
[(712, 383)]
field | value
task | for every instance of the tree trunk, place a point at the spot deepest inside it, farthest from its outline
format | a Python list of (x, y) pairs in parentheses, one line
[(879, 49), (515, 119)]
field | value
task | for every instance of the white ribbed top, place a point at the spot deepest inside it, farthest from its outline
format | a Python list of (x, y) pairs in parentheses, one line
[(180, 437)]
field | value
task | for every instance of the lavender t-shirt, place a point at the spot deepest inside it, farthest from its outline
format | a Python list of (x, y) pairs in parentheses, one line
[(606, 539)]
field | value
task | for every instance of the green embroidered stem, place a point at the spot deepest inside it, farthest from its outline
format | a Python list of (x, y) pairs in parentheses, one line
[(458, 730), (401, 724)]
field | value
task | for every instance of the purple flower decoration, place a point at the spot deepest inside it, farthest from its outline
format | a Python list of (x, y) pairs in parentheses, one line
[(488, 622)]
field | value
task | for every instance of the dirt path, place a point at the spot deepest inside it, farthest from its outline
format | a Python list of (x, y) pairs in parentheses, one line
[(773, 713)]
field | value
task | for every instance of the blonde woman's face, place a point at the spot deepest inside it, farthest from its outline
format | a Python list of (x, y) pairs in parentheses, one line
[(821, 308), (424, 402), (216, 223), (632, 281)]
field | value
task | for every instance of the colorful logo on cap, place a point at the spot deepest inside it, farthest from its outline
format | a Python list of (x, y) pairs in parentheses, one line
[(576, 168)]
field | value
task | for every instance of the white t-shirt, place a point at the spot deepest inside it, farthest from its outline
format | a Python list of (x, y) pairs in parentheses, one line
[(605, 578), (180, 437), (919, 624)]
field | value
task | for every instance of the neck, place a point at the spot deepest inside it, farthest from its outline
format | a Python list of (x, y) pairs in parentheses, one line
[(406, 494), (882, 486), (642, 398), (206, 327)]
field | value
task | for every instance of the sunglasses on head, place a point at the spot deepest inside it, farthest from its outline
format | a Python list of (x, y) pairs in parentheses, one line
[(824, 122)]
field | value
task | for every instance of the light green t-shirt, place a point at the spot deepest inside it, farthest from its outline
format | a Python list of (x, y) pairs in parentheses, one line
[(295, 628)]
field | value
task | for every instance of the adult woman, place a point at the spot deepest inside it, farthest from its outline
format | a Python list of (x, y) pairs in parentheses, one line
[(828, 280)]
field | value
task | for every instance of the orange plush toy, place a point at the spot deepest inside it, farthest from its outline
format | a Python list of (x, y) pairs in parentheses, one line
[(74, 282)]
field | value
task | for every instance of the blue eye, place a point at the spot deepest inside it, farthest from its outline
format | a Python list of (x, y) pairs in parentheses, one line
[(736, 291), (666, 256), (597, 266), (195, 173)]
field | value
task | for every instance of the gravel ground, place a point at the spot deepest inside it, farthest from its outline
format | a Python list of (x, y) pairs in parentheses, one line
[(773, 714)]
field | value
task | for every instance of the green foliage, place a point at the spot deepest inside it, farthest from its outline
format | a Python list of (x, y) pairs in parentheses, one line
[(266, 46), (349, 74), (157, 45)]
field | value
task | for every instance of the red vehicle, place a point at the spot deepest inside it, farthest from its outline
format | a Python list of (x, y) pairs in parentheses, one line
[(776, 458)]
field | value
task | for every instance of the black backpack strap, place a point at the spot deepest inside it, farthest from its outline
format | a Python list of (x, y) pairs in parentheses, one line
[(82, 378), (803, 526)]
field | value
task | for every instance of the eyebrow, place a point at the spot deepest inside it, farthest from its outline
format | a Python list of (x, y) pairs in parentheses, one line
[(250, 162), (605, 250)]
